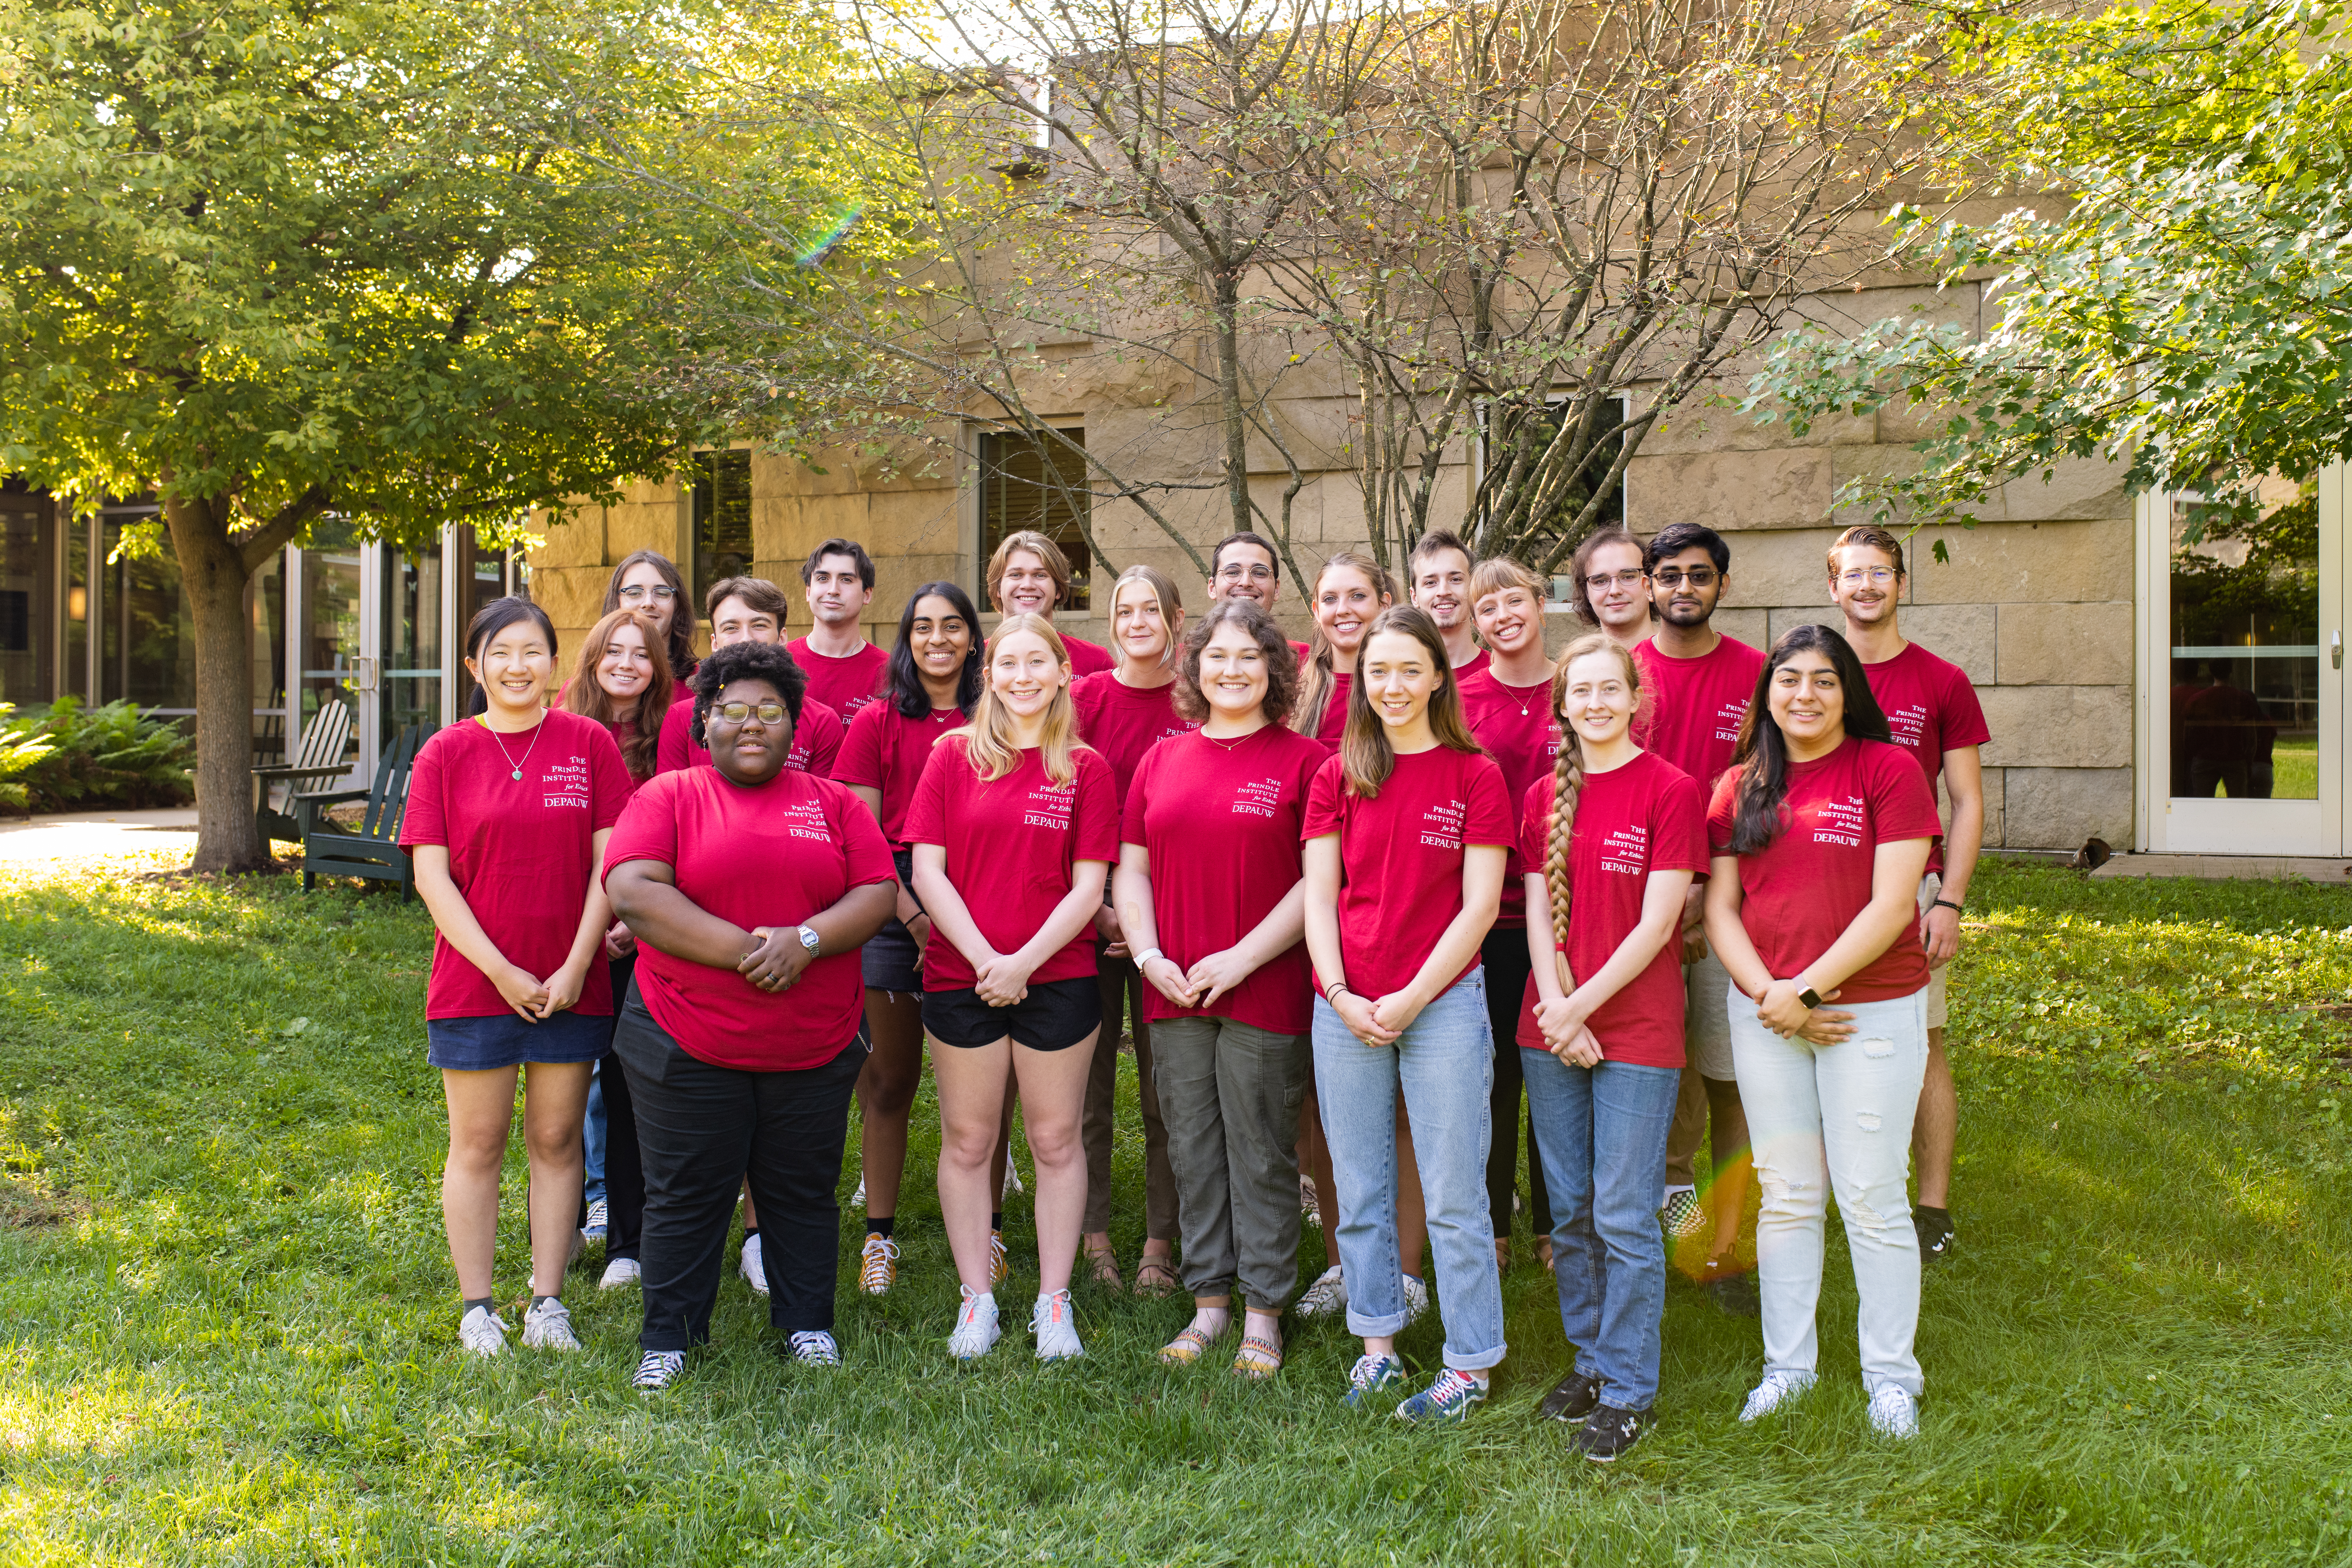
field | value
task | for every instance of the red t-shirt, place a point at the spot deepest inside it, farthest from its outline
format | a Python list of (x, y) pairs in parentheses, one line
[(769, 855), (1802, 890), (1400, 857), (1515, 724), (1087, 658), (1631, 821), (1334, 727), (817, 739), (1011, 848), (1478, 665), (1930, 708), (1692, 708), (843, 685), (1245, 801), (520, 851), (1123, 722), (623, 731), (886, 751)]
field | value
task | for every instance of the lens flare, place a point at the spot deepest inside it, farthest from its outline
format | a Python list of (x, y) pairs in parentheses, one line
[(835, 233)]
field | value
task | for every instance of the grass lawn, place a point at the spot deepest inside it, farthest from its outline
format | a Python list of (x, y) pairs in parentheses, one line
[(228, 1315)]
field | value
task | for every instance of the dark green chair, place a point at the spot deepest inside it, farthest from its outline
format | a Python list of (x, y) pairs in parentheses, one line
[(372, 849), (320, 761)]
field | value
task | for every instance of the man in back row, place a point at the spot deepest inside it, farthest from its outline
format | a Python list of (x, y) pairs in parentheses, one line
[(1438, 573), (845, 670)]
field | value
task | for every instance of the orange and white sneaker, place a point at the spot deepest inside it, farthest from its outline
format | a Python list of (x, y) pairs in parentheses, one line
[(877, 1269), (1056, 1328)]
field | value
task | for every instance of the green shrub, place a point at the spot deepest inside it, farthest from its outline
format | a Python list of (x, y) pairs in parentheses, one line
[(68, 755)]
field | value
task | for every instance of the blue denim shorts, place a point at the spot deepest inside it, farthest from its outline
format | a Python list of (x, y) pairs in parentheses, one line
[(503, 1040)]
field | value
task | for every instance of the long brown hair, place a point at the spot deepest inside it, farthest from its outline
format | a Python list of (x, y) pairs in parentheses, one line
[(1365, 754), (587, 697), (1316, 695), (1567, 782), (989, 743), (1761, 756)]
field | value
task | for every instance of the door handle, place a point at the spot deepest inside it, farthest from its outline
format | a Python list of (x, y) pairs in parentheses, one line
[(2336, 648)]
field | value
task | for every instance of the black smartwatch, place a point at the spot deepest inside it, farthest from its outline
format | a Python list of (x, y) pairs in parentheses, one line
[(1809, 997)]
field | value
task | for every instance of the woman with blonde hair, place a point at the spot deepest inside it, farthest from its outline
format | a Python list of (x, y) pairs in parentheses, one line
[(1408, 830), (1015, 825), (1123, 713), (1349, 590), (1611, 841)]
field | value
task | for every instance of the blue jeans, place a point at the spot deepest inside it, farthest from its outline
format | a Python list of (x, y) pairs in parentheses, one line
[(592, 1140), (1603, 1135), (1445, 1065)]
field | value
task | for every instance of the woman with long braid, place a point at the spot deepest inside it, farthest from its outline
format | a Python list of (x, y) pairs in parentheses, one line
[(1611, 841)]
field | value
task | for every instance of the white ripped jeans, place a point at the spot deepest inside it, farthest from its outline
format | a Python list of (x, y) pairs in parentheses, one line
[(1824, 1117)]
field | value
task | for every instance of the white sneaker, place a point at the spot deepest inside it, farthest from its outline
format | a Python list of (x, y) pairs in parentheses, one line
[(815, 1347), (857, 1198), (598, 1213), (658, 1371), (1893, 1412), (1779, 1388), (1416, 1299), (1012, 1180), (877, 1266), (976, 1331), (754, 1271), (619, 1272), (482, 1332), (1056, 1330), (1326, 1297), (548, 1327)]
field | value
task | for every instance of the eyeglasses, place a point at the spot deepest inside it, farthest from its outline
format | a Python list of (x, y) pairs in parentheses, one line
[(1600, 580), (635, 594), (1237, 570), (770, 712), (1674, 576), (1876, 576)]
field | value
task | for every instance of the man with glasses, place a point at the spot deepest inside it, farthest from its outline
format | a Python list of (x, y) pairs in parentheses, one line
[(1696, 684), (1930, 707), (1243, 567), (1613, 586), (1439, 571)]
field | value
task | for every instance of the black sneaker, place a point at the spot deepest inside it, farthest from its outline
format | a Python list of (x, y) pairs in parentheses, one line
[(1934, 1229), (1572, 1398), (1609, 1432), (1734, 1291)]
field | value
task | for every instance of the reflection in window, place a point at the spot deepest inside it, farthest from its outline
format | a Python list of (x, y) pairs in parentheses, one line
[(1035, 483), (2245, 645)]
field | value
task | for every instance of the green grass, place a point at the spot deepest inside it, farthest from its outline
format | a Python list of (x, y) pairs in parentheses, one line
[(228, 1313)]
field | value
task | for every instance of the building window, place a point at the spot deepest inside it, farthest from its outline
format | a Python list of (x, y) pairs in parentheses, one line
[(28, 594), (1034, 482), (722, 519)]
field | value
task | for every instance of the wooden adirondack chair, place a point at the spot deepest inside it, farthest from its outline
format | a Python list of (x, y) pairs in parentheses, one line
[(371, 849), (321, 759)]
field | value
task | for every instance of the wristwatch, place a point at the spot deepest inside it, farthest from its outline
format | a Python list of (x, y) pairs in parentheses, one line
[(1809, 997), (809, 939)]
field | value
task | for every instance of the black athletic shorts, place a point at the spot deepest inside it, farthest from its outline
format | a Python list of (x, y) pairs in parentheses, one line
[(1054, 1017)]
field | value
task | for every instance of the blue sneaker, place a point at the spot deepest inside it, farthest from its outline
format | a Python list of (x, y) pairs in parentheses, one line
[(1368, 1376), (1448, 1399)]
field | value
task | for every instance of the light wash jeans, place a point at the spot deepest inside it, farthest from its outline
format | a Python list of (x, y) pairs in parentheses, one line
[(591, 1140), (1445, 1065), (1824, 1117), (1602, 1133)]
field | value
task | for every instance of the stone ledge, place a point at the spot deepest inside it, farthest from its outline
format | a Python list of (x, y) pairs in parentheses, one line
[(2221, 868)]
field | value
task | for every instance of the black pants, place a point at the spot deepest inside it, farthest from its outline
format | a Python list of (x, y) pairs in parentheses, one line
[(703, 1129), (1505, 954), (625, 1165)]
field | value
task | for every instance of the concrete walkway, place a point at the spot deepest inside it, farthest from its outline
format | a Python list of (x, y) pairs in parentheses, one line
[(98, 834)]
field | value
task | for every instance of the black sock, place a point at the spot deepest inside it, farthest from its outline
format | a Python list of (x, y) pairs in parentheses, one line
[(996, 1220), (881, 1223), (539, 1302), (749, 1231), (483, 1302)]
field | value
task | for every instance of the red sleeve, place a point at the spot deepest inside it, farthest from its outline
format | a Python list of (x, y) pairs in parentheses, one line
[(867, 852), (1678, 828), (1902, 805), (609, 785), (1131, 825), (859, 760), (1719, 812), (1964, 720), (669, 751), (927, 815), (1098, 816), (1323, 802), (824, 740), (1490, 819), (647, 830), (1535, 822), (424, 819)]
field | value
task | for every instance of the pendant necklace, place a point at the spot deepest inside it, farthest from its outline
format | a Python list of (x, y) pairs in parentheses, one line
[(516, 767)]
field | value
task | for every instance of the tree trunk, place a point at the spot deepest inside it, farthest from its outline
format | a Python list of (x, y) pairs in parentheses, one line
[(1228, 297), (213, 573)]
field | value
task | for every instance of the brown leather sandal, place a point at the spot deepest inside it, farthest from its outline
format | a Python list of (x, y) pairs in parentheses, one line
[(1155, 1275), (1258, 1360), (1102, 1264)]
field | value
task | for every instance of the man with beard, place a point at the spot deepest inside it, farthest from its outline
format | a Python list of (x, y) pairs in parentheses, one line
[(1440, 576), (1696, 684)]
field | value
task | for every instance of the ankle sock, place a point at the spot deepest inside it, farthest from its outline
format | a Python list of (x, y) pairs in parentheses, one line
[(539, 1302), (996, 1220), (880, 1224), (483, 1302)]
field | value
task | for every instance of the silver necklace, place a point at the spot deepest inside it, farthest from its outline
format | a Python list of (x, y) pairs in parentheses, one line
[(515, 767)]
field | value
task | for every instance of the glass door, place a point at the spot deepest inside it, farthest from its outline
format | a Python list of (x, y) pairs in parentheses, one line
[(329, 656), (410, 644), (2243, 689)]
